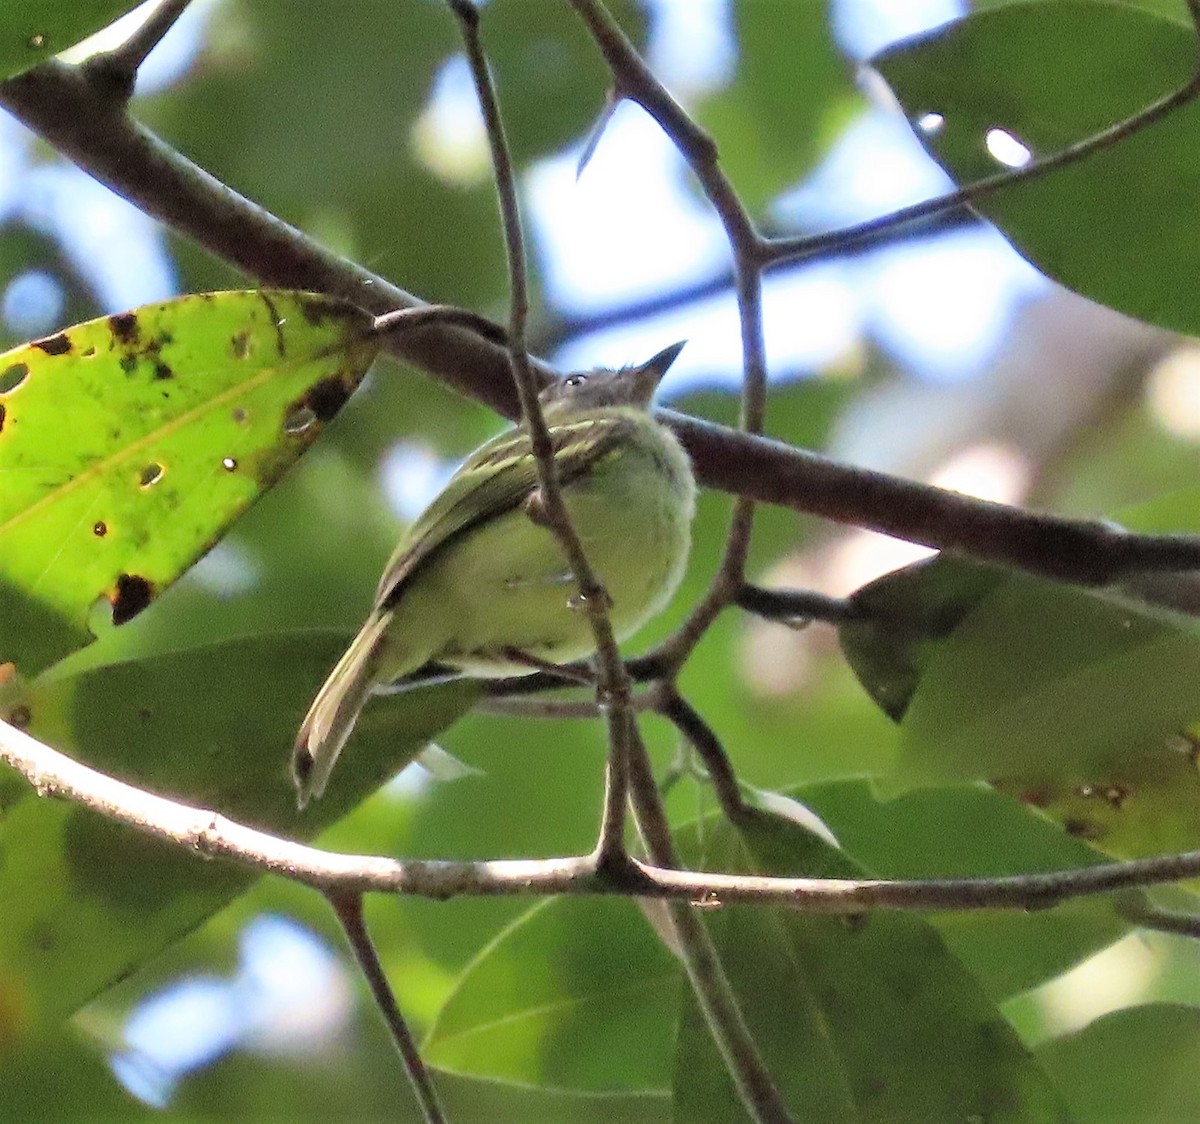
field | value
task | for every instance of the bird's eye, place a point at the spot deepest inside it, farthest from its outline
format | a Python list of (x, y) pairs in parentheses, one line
[(575, 380)]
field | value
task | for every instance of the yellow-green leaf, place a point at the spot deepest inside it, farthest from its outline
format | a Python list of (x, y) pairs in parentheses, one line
[(129, 443)]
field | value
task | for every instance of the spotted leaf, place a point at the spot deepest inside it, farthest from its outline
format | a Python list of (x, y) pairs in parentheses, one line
[(129, 443)]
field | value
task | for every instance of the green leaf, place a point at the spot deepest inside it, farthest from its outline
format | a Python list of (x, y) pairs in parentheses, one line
[(58, 1074), (1077, 701), (1043, 674), (865, 1018), (577, 994), (33, 30), (1118, 226), (975, 832), (901, 617), (1135, 1064), (129, 443), (87, 900)]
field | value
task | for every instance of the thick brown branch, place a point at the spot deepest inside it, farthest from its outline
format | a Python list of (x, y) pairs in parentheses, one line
[(57, 102)]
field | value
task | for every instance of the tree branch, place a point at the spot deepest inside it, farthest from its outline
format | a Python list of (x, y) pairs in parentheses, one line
[(714, 993), (613, 686), (58, 103), (634, 79), (209, 835), (119, 67)]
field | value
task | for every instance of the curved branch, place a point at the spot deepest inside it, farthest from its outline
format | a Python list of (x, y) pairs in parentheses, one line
[(209, 835)]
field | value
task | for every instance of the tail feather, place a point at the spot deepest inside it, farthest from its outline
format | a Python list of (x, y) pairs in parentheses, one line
[(334, 711)]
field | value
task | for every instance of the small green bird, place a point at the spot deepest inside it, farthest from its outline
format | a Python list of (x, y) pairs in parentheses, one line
[(480, 585)]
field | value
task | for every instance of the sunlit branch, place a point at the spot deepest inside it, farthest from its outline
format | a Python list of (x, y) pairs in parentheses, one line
[(207, 834)]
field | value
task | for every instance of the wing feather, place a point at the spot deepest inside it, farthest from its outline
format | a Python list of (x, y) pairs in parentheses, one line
[(497, 478)]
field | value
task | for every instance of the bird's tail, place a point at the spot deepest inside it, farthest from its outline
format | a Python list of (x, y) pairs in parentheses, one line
[(334, 711)]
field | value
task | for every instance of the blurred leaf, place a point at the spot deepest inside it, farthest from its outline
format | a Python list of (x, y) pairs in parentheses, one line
[(577, 994), (359, 168), (23, 251), (1135, 1064), (1031, 71), (128, 443), (790, 91), (87, 900), (365, 1084), (552, 79), (1074, 700), (861, 1018), (56, 1074), (33, 30), (1171, 8), (1047, 677)]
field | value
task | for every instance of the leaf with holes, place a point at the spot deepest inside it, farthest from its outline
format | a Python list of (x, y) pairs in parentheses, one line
[(129, 443), (985, 93)]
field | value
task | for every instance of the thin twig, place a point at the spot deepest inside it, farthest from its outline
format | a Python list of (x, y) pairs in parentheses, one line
[(794, 606), (118, 68), (1134, 906), (613, 685), (553, 330), (710, 985), (783, 250), (610, 850), (636, 81), (714, 994), (687, 720), (524, 706), (349, 910), (57, 102)]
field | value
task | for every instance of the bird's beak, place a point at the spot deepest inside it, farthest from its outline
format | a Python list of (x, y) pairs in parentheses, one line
[(650, 374)]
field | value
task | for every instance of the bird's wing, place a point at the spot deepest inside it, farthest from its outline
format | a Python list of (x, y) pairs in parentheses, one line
[(496, 478)]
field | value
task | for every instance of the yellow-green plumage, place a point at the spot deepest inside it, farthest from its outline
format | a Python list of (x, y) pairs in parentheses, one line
[(478, 581)]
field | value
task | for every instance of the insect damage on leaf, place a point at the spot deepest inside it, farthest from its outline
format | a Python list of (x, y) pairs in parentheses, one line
[(181, 413), (13, 376), (131, 595), (59, 344)]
